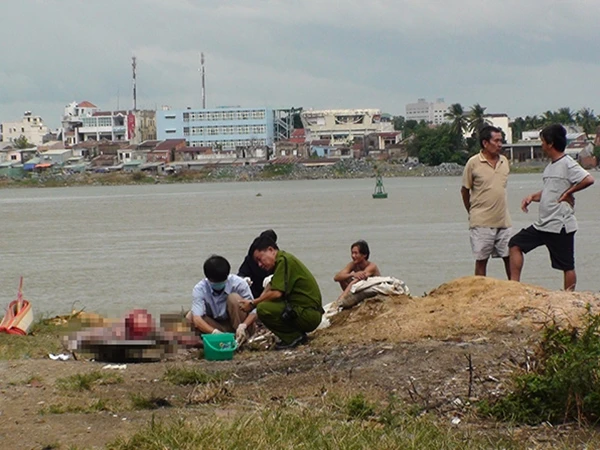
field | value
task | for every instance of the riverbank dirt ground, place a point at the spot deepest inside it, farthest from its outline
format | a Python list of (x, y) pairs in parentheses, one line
[(439, 353)]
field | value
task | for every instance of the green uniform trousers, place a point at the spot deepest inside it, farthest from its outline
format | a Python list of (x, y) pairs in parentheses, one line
[(269, 313)]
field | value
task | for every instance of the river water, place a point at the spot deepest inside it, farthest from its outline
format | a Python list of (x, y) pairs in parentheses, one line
[(109, 249)]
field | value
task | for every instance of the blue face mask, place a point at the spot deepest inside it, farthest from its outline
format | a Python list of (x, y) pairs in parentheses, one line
[(218, 286)]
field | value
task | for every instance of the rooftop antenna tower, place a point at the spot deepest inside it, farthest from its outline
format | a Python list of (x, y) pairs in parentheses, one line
[(133, 67), (203, 81)]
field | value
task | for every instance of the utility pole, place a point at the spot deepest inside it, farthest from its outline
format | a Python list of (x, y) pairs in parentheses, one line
[(203, 81), (133, 66)]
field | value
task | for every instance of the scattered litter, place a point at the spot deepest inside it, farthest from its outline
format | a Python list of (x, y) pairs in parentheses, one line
[(61, 356), (115, 366), (455, 420)]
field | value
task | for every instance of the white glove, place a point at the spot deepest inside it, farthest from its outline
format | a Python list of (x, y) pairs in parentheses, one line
[(216, 331), (240, 333)]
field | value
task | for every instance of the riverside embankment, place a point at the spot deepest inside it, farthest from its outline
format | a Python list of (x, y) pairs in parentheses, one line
[(344, 169)]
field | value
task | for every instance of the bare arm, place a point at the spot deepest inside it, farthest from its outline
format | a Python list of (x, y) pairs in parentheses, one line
[(370, 271), (530, 198), (466, 198), (345, 274), (568, 194), (202, 325), (268, 295)]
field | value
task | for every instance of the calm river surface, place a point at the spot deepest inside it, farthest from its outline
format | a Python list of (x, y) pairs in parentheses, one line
[(109, 249)]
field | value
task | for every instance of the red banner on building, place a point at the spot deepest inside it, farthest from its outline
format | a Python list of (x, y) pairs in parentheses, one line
[(130, 126)]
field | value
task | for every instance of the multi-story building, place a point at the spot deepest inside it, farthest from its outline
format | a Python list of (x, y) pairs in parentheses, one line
[(30, 127), (341, 126), (224, 129), (85, 121), (430, 112)]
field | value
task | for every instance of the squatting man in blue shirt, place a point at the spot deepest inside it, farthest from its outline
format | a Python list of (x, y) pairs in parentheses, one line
[(216, 302)]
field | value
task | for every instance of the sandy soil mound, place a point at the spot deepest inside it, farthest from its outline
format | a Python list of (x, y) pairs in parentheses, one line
[(463, 308)]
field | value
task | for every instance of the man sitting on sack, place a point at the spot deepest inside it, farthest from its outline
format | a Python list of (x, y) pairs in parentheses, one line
[(359, 269), (291, 306), (216, 302)]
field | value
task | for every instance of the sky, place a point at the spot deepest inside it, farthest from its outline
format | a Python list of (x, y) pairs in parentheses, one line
[(519, 57)]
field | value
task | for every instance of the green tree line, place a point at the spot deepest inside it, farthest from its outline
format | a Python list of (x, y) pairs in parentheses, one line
[(434, 145)]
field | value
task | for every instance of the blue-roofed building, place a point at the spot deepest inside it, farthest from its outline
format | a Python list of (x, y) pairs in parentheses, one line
[(225, 129)]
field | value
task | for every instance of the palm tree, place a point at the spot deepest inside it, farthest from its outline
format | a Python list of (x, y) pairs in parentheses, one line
[(476, 119), (549, 117), (532, 123), (458, 119), (565, 116), (517, 126), (587, 120)]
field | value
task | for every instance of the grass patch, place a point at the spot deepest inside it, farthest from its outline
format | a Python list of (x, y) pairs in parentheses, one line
[(185, 376), (96, 406), (139, 401), (85, 381), (564, 384), (44, 338), (32, 379), (358, 407), (214, 392), (277, 170), (294, 426)]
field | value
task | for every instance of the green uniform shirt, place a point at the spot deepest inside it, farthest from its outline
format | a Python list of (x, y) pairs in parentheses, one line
[(302, 288)]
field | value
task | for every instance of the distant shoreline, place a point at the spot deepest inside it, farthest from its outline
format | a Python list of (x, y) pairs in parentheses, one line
[(345, 169)]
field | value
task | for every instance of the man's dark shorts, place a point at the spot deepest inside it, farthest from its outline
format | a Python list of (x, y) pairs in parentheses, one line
[(561, 246)]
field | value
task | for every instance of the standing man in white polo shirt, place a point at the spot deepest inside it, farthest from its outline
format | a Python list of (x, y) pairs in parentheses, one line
[(483, 193), (556, 224)]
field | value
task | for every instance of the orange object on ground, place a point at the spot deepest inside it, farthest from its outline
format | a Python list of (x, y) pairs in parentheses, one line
[(19, 315)]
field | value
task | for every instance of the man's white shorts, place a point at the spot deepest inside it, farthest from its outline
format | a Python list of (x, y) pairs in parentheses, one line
[(486, 242)]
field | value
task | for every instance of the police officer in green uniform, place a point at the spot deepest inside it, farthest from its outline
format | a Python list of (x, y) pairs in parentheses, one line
[(291, 306)]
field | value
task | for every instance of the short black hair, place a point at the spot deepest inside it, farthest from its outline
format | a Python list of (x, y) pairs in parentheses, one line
[(363, 248), (555, 135), (262, 243), (216, 268), (485, 134), (270, 234)]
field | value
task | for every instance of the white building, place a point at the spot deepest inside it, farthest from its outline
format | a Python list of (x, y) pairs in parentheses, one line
[(430, 112), (84, 121), (31, 127), (341, 126)]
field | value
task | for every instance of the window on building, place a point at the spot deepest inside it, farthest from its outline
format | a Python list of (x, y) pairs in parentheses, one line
[(170, 116), (170, 130)]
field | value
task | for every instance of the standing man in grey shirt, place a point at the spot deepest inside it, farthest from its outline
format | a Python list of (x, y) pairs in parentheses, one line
[(483, 193), (556, 225)]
